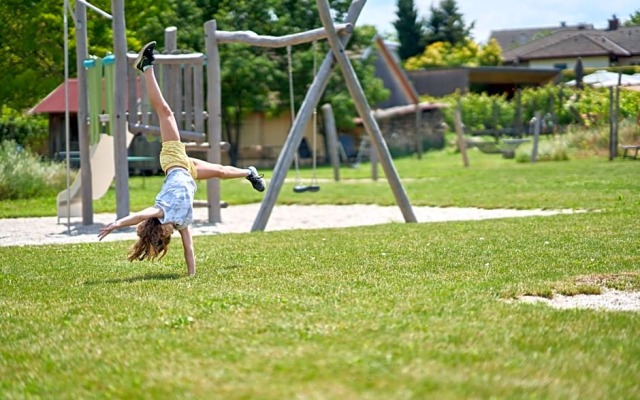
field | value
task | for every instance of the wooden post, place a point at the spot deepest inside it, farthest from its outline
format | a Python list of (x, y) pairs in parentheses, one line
[(373, 160), (296, 131), (554, 117), (462, 144), (519, 112), (616, 111), (198, 101), (170, 39), (536, 135), (214, 122), (120, 109), (83, 113), (495, 116), (611, 124), (364, 110), (418, 136), (332, 139), (188, 87)]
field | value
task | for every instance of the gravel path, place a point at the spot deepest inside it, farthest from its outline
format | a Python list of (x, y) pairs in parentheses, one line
[(237, 219)]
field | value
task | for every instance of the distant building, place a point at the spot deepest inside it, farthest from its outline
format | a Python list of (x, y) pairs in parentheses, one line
[(560, 49), (509, 39)]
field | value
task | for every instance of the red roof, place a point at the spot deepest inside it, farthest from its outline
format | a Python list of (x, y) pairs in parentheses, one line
[(54, 102)]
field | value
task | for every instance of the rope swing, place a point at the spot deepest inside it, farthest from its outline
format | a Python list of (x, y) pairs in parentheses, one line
[(299, 187)]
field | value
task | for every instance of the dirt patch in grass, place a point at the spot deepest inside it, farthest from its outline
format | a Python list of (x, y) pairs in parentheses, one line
[(608, 292)]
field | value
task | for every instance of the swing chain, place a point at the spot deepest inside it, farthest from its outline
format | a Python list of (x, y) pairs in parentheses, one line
[(299, 188)]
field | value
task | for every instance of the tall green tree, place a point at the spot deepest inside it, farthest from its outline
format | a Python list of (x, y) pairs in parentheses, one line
[(409, 29), (446, 24), (32, 45), (31, 51)]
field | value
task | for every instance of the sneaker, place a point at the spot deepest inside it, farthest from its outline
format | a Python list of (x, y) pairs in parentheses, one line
[(145, 57), (256, 180)]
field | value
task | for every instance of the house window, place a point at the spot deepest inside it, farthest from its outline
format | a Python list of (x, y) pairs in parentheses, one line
[(560, 66)]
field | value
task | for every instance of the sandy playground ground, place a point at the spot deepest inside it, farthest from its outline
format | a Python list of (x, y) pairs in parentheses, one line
[(240, 218)]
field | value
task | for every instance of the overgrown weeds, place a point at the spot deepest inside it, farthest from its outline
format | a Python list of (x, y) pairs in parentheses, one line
[(24, 175)]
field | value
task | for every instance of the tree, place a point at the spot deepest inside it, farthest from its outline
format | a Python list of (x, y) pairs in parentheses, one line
[(32, 51), (31, 68), (490, 54), (247, 79), (444, 54), (254, 78), (409, 29), (446, 24), (634, 19)]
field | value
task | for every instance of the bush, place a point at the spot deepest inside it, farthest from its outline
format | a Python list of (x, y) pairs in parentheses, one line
[(570, 106), (24, 175), (30, 132), (554, 149)]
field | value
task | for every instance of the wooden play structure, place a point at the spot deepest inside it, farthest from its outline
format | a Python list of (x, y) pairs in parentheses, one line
[(182, 78), (100, 75)]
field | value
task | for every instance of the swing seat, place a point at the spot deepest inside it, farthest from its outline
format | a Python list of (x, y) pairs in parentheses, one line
[(313, 188), (306, 188)]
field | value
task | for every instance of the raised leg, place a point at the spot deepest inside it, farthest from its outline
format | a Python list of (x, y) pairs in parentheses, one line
[(168, 124), (207, 170)]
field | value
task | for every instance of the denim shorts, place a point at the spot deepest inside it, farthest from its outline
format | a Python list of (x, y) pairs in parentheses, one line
[(176, 198)]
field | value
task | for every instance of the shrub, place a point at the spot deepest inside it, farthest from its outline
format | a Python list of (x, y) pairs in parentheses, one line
[(553, 149), (28, 131), (569, 106), (24, 175)]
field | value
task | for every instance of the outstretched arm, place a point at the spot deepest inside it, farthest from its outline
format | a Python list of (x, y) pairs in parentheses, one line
[(187, 243), (132, 219)]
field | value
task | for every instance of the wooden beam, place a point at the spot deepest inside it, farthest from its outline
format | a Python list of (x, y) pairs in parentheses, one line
[(252, 38), (214, 122), (332, 139), (120, 109), (155, 130), (83, 114), (370, 124)]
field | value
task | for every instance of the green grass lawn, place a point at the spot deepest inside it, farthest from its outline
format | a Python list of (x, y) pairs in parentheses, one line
[(439, 179), (397, 311)]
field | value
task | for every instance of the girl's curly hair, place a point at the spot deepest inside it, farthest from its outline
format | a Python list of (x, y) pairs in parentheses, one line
[(153, 242)]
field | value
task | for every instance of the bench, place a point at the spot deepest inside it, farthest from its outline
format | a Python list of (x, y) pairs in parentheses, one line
[(630, 148)]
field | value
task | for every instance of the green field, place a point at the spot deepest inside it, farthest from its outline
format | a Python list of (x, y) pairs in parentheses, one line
[(396, 311)]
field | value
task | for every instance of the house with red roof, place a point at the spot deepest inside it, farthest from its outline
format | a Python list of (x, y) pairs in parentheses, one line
[(54, 106)]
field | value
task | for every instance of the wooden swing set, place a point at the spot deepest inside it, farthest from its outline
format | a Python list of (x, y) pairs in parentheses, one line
[(337, 35)]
